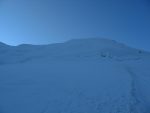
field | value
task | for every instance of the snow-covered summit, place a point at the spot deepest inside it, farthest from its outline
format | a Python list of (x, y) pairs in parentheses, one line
[(90, 48), (100, 45)]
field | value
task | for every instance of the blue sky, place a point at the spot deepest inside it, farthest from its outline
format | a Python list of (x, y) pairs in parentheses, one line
[(49, 21)]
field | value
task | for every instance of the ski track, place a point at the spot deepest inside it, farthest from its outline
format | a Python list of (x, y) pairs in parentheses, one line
[(137, 99)]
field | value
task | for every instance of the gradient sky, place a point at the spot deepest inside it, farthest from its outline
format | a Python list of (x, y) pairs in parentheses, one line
[(49, 21)]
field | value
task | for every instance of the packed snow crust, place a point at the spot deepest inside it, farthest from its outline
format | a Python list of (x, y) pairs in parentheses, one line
[(79, 76)]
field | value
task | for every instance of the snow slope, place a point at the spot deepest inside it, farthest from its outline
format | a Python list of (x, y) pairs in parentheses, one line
[(78, 76)]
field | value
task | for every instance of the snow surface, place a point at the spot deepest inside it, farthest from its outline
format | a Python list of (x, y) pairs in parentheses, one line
[(78, 76)]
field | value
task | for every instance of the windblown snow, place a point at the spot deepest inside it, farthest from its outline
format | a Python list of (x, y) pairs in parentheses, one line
[(79, 76)]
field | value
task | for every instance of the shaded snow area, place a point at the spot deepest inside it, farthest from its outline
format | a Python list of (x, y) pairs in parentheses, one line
[(78, 76)]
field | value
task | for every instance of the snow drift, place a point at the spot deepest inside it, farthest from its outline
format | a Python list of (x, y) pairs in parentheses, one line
[(79, 76)]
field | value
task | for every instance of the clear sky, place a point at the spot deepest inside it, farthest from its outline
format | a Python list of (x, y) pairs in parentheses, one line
[(49, 21)]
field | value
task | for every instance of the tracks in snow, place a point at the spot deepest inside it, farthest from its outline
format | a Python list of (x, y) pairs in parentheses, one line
[(135, 103)]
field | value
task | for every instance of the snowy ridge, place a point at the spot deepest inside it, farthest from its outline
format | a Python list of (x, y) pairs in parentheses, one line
[(78, 76), (92, 48)]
